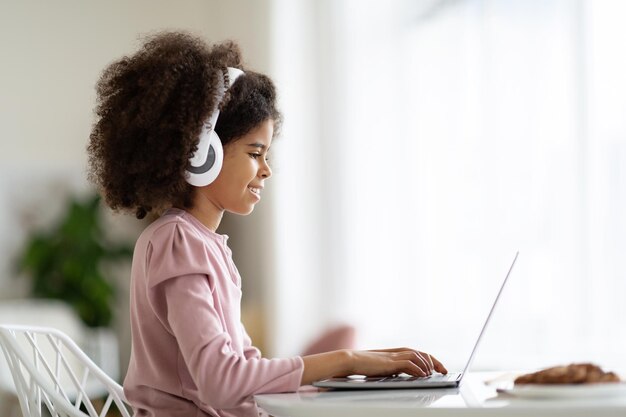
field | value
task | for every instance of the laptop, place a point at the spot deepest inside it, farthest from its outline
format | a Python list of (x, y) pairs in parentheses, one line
[(450, 380)]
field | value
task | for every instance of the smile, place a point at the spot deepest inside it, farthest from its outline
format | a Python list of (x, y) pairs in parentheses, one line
[(256, 191)]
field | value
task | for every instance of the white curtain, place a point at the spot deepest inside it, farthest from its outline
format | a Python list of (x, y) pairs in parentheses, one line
[(441, 137)]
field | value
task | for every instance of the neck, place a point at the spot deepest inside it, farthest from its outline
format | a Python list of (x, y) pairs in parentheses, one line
[(206, 211)]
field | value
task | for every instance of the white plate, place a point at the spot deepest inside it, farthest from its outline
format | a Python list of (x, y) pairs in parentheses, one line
[(614, 389)]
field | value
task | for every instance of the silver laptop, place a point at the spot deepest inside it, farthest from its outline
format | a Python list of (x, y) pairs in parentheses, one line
[(449, 380)]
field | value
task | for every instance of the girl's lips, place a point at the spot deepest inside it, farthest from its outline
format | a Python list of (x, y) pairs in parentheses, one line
[(256, 192)]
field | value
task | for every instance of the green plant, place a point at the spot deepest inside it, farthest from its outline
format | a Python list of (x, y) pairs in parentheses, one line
[(68, 262)]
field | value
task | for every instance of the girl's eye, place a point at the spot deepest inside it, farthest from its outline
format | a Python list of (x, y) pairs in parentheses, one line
[(258, 155)]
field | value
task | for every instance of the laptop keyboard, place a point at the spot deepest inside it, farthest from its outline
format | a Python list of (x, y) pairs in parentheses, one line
[(407, 378)]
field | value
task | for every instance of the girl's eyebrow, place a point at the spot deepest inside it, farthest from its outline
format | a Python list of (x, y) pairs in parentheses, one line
[(257, 145)]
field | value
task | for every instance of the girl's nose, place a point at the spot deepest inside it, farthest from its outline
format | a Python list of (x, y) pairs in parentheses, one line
[(265, 171)]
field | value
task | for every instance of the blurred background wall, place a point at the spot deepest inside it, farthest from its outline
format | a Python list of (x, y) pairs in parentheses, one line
[(424, 143)]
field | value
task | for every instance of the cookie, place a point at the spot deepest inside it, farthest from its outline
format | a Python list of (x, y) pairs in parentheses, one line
[(576, 373)]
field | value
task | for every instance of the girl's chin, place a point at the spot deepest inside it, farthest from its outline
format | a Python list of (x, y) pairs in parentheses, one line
[(242, 211)]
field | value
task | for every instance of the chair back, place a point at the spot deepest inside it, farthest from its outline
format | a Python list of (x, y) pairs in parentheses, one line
[(50, 370), (42, 313)]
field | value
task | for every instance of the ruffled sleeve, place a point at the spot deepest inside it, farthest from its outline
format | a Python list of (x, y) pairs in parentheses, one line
[(176, 250)]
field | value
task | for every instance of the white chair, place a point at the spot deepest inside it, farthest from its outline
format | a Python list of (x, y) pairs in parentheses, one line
[(50, 370), (100, 345)]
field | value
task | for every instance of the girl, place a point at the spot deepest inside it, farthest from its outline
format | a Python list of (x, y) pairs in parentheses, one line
[(181, 131)]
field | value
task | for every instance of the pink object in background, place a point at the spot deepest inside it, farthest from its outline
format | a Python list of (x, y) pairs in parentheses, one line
[(335, 338)]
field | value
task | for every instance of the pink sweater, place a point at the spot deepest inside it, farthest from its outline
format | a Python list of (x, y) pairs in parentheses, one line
[(191, 355)]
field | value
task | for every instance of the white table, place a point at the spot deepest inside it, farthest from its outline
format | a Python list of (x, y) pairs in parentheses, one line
[(473, 398)]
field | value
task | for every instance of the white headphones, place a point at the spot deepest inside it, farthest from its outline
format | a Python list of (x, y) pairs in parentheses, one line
[(206, 162)]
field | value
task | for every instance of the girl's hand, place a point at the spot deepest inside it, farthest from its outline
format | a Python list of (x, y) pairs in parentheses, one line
[(369, 363), (394, 361)]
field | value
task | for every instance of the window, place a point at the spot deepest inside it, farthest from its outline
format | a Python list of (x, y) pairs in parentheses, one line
[(456, 133)]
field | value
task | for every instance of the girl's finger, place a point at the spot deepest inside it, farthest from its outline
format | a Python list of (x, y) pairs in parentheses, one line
[(416, 358), (409, 367), (421, 362), (429, 360), (439, 366)]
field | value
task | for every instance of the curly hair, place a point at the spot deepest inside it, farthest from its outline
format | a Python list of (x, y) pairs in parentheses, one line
[(149, 113)]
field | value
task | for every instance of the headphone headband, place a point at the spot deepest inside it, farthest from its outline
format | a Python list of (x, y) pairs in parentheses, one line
[(206, 162)]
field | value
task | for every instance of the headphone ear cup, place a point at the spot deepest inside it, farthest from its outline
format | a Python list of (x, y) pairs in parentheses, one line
[(215, 145), (207, 162)]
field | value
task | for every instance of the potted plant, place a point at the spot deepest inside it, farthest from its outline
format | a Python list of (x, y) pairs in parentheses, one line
[(68, 262)]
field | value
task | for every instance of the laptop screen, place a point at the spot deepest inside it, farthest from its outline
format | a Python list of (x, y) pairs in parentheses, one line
[(471, 358)]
